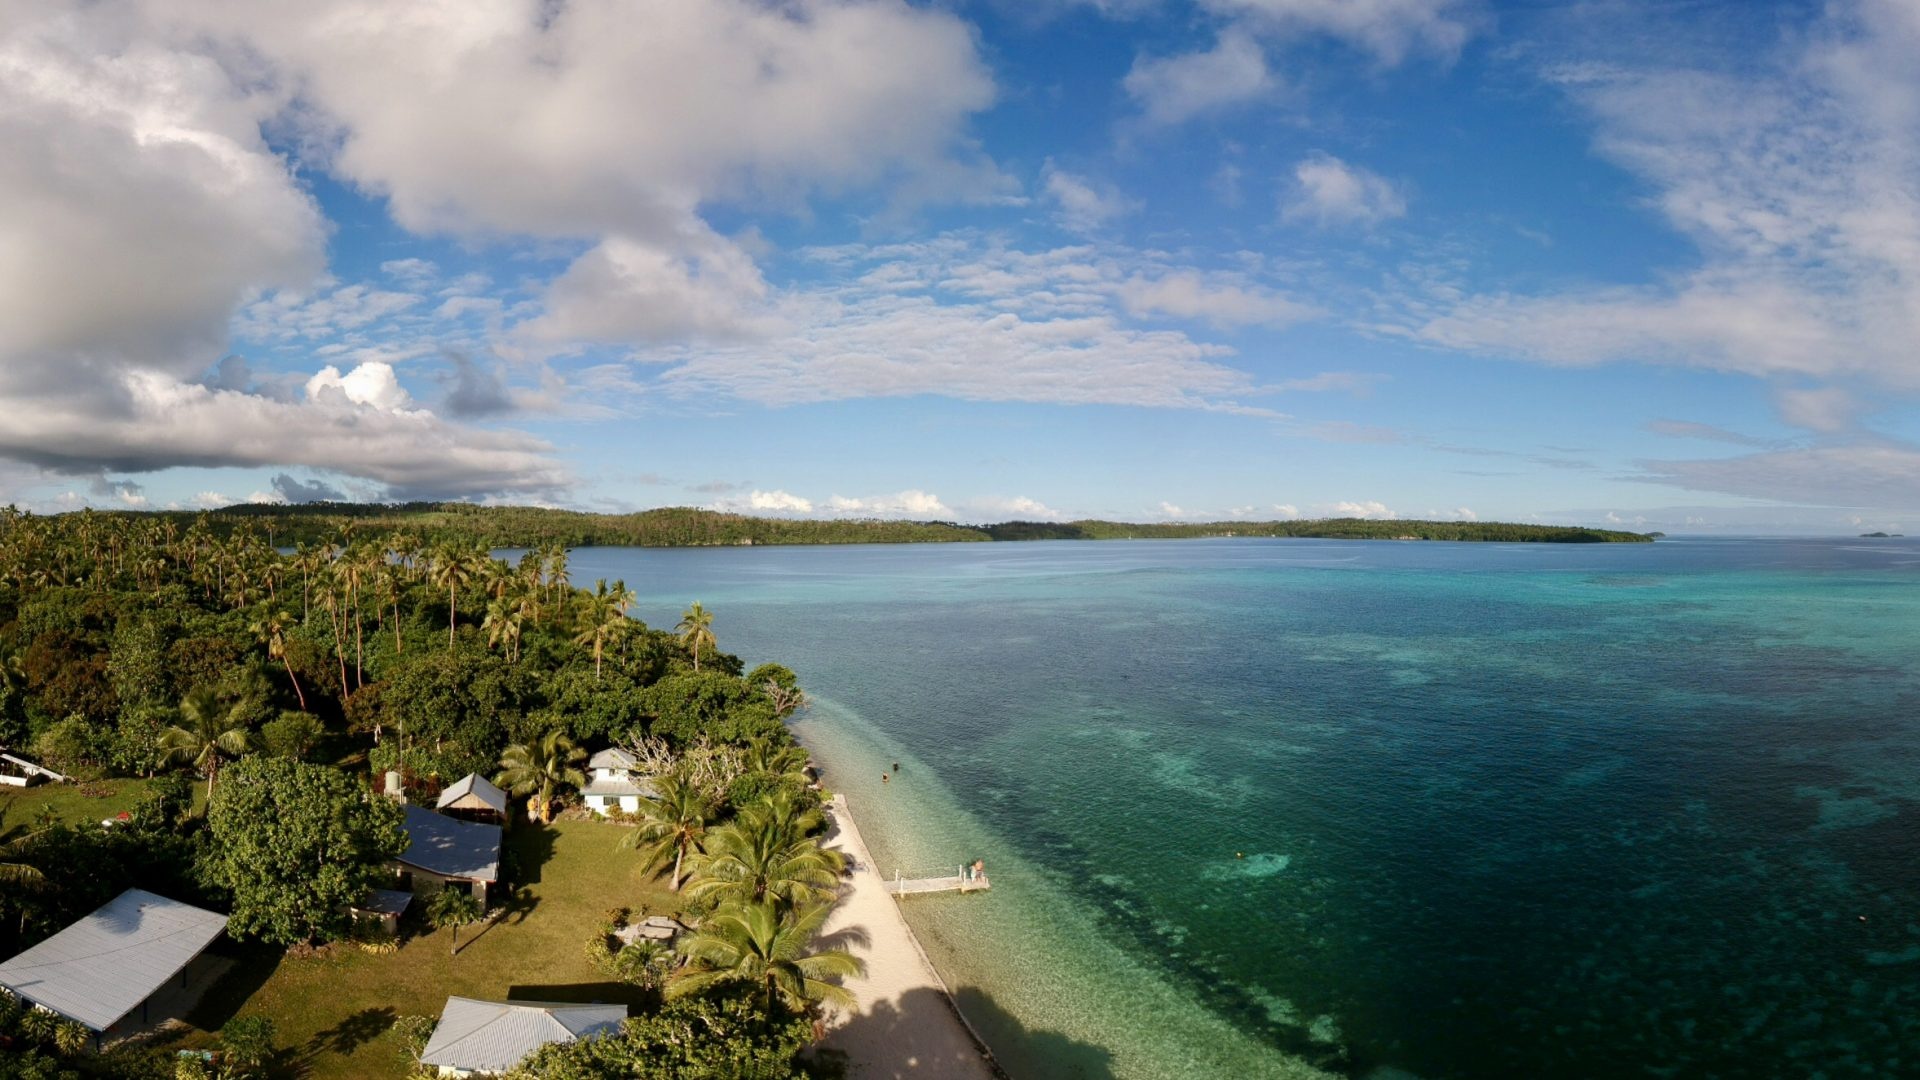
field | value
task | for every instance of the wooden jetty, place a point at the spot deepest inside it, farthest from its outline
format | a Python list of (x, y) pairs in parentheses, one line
[(959, 881)]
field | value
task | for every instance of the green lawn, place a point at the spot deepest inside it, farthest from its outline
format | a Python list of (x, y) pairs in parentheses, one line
[(332, 1012), (74, 803)]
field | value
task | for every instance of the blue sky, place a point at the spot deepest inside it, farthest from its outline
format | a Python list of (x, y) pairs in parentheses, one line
[(1606, 262)]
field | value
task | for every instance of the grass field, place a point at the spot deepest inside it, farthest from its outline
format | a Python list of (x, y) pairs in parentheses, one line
[(75, 803), (333, 1012)]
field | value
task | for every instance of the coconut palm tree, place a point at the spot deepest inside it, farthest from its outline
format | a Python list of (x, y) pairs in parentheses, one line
[(272, 632), (540, 770), (696, 631), (673, 824), (452, 908), (604, 619), (453, 569), (13, 872), (767, 945), (207, 732), (761, 855), (502, 624)]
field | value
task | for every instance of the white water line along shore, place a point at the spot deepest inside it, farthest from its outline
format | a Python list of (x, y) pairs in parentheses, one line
[(906, 1024)]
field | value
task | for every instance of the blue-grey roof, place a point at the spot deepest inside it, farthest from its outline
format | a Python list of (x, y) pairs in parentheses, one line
[(477, 786), (100, 968), (451, 848), (385, 902), (492, 1036)]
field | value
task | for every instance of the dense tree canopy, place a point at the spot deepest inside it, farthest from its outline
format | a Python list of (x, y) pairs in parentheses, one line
[(295, 844)]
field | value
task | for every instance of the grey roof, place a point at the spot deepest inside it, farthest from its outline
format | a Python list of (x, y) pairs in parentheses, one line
[(97, 970), (451, 848), (611, 758), (619, 787), (385, 902), (478, 786), (28, 768), (492, 1036)]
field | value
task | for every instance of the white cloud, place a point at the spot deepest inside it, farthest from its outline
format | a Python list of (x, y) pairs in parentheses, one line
[(905, 504), (1286, 510), (1391, 30), (1176, 88), (1083, 204), (629, 290), (1369, 508), (1019, 507), (778, 502), (1878, 474), (1828, 410), (211, 500), (1465, 514), (1794, 174), (368, 384), (1328, 191), (1188, 294), (412, 272)]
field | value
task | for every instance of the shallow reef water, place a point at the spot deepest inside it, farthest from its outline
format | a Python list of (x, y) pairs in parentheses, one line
[(1298, 808)]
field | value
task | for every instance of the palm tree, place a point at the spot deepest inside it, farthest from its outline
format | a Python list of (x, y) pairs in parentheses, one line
[(761, 855), (696, 631), (13, 872), (764, 755), (502, 625), (207, 732), (540, 770), (766, 945), (453, 569), (452, 908), (673, 823), (272, 631), (605, 619)]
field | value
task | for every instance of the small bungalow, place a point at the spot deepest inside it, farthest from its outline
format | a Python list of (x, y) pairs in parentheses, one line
[(102, 969), (19, 772), (385, 906), (613, 785), (487, 1037), (445, 851), (474, 798)]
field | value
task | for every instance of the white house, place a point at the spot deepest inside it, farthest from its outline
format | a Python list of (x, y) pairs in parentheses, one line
[(613, 785), (489, 1037)]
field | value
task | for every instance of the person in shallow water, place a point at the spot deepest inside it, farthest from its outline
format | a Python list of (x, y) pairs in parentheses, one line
[(885, 777), (896, 766)]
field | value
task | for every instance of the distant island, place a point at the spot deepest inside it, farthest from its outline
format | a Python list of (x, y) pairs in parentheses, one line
[(527, 526), (1880, 535)]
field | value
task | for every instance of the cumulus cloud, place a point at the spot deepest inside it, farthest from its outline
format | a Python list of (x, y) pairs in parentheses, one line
[(288, 489), (1286, 510), (1465, 514), (1794, 176), (1019, 507), (1328, 191), (1083, 204), (905, 504), (372, 384), (1172, 89), (627, 290), (778, 502), (1370, 508)]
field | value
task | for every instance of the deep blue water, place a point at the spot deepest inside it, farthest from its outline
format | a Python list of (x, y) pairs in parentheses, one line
[(1453, 810)]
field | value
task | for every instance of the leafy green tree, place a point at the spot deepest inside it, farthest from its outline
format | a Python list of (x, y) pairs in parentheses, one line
[(720, 1034), (295, 844), (687, 705), (247, 1041), (670, 825), (73, 746), (452, 908), (293, 735), (766, 944), (696, 631), (206, 732), (540, 770)]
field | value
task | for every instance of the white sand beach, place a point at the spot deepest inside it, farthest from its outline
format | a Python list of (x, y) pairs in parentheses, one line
[(905, 1026)]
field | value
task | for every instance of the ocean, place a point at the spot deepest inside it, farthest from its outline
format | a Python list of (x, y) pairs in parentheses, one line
[(1257, 807)]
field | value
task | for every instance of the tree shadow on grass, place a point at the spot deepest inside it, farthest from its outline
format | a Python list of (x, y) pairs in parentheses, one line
[(616, 993), (253, 965), (528, 849), (899, 1041), (352, 1033)]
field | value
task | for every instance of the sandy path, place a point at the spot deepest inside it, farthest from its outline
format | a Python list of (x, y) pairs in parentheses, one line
[(905, 1026)]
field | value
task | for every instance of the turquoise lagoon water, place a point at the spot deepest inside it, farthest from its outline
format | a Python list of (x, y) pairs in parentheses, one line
[(1289, 807)]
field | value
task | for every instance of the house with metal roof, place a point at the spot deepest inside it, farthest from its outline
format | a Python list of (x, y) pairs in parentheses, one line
[(447, 851), (613, 785), (483, 1037), (474, 798), (106, 966)]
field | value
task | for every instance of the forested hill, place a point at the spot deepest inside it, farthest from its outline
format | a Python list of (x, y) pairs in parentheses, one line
[(527, 526)]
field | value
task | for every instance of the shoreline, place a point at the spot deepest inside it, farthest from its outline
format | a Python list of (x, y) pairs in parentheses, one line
[(892, 1031)]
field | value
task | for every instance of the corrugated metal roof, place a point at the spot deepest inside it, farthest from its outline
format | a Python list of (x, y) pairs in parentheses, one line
[(492, 1036), (619, 787), (611, 758), (450, 848), (477, 786), (100, 968), (385, 902)]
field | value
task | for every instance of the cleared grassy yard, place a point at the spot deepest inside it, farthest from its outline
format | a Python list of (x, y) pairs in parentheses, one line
[(333, 1012), (76, 803)]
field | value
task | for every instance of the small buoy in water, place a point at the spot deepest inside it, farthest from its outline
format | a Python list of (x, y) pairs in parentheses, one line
[(1863, 918)]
